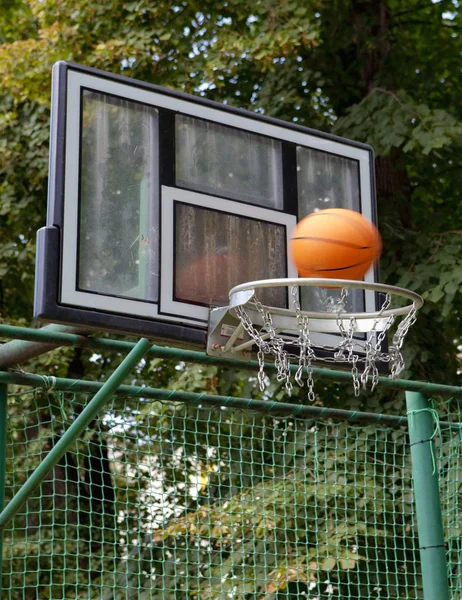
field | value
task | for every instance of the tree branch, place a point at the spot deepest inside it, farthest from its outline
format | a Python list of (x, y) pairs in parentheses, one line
[(420, 22), (423, 6)]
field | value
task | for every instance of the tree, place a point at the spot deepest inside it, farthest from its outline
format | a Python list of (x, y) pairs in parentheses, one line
[(365, 69), (384, 72)]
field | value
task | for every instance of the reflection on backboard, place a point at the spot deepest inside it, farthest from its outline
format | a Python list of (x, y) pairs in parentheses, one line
[(118, 208), (160, 202), (209, 246)]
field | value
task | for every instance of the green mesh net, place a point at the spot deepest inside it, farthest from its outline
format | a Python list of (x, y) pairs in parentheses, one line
[(169, 501), (449, 451)]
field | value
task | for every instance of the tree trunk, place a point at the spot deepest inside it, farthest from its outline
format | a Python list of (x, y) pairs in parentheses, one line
[(371, 27)]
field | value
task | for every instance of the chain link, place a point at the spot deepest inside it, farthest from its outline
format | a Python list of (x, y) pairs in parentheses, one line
[(349, 350), (281, 356), (353, 358), (307, 354), (397, 360), (255, 335), (373, 351)]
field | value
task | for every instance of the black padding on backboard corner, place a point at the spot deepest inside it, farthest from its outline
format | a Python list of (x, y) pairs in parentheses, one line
[(57, 146), (47, 306), (46, 288)]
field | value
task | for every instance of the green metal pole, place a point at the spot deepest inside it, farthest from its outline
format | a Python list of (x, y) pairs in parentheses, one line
[(3, 407), (427, 497), (69, 437)]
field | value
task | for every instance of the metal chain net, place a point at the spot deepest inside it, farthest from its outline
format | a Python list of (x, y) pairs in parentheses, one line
[(171, 501), (350, 351)]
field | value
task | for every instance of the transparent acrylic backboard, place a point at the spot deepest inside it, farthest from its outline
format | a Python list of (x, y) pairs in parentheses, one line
[(160, 203)]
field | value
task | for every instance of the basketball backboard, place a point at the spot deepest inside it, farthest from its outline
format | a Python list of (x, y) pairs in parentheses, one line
[(160, 203)]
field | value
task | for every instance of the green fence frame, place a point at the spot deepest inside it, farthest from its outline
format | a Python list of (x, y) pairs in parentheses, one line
[(420, 422)]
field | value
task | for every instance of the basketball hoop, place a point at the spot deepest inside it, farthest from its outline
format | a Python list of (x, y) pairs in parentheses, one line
[(356, 339)]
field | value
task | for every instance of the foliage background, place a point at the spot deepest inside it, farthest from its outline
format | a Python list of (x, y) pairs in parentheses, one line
[(385, 72)]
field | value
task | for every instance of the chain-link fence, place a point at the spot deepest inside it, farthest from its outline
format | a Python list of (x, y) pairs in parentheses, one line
[(164, 500)]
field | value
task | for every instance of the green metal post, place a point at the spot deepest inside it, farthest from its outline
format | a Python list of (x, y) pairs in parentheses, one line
[(3, 406), (69, 437), (427, 497)]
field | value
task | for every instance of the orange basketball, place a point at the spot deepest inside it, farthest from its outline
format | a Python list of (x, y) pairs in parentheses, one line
[(336, 243)]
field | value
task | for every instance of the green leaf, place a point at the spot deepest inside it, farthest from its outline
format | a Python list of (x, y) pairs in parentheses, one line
[(347, 563), (328, 564)]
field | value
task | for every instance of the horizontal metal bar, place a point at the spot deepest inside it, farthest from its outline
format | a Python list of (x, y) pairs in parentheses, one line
[(67, 339), (282, 408), (250, 342)]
